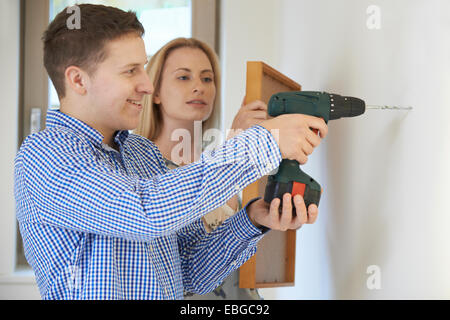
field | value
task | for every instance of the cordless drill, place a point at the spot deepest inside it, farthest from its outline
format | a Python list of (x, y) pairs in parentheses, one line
[(290, 178)]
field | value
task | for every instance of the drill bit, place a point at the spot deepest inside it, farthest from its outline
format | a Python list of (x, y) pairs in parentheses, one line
[(387, 107)]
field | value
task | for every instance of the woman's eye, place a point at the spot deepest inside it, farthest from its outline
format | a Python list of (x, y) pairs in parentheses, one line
[(183, 77), (207, 79), (131, 71)]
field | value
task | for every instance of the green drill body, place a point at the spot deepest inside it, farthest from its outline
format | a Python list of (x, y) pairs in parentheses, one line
[(289, 177)]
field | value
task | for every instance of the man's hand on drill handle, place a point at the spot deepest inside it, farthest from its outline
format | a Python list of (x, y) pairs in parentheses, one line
[(261, 213), (296, 138)]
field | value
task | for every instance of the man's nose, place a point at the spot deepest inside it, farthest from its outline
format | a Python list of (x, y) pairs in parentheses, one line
[(145, 86)]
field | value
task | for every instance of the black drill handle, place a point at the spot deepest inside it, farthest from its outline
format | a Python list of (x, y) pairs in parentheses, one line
[(290, 178)]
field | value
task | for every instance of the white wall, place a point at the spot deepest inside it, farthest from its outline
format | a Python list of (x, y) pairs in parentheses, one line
[(9, 64), (385, 174), (245, 36), (13, 285)]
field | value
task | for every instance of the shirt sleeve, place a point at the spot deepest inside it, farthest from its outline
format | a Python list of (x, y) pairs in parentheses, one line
[(60, 181), (225, 250)]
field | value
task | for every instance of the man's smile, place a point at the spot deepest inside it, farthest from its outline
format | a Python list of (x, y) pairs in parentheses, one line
[(136, 103)]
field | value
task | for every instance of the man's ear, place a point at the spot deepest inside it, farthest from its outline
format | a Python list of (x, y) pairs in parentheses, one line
[(76, 79)]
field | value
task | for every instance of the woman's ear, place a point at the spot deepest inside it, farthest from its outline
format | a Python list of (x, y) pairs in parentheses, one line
[(76, 79), (156, 98)]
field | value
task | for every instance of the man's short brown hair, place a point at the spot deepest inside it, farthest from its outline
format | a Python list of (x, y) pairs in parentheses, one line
[(84, 47)]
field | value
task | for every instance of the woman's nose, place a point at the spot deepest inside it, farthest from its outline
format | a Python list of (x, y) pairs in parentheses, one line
[(198, 87)]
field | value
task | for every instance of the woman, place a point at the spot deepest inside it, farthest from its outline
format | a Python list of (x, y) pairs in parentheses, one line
[(186, 77)]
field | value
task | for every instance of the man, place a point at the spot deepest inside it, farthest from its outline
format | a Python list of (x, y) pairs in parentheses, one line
[(100, 214)]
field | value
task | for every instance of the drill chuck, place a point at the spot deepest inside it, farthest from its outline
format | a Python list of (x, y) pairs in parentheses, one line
[(343, 107)]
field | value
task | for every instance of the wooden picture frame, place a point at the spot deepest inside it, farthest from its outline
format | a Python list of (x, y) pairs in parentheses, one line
[(273, 265)]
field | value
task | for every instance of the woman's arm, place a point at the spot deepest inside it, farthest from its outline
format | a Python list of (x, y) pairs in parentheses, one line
[(233, 203)]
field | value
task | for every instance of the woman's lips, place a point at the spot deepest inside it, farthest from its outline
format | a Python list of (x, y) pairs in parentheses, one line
[(197, 103)]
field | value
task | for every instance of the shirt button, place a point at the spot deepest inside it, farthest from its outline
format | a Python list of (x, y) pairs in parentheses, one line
[(237, 188), (268, 165)]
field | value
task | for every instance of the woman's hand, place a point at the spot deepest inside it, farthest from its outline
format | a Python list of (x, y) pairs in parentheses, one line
[(248, 115), (233, 203)]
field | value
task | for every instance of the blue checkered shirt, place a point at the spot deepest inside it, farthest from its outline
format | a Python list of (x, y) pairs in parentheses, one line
[(97, 223)]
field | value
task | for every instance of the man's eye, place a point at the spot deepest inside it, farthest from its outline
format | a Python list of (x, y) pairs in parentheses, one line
[(131, 71)]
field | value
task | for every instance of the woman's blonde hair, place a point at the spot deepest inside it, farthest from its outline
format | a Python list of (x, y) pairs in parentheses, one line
[(151, 118)]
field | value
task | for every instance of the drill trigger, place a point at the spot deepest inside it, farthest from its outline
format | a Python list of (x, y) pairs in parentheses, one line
[(298, 188)]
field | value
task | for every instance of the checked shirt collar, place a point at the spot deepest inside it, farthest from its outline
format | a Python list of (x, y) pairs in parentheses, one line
[(56, 118)]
